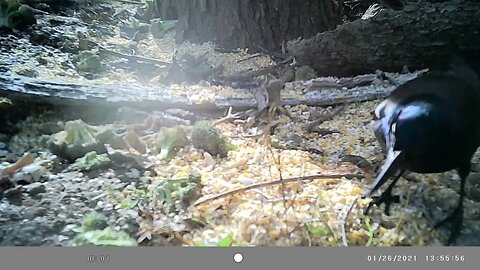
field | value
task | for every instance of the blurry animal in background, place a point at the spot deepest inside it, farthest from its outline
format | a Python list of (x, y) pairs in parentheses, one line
[(429, 125)]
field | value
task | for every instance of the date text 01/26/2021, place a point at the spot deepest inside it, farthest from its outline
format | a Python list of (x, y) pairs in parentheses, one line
[(413, 258), (392, 258)]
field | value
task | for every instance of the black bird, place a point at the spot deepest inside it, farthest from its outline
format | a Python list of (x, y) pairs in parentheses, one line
[(429, 125)]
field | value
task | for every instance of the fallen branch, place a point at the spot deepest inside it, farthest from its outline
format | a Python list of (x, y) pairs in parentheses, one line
[(159, 97), (250, 57), (130, 2), (276, 182), (311, 125), (131, 57)]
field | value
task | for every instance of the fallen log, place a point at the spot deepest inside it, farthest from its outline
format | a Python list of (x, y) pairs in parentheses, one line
[(318, 92), (421, 35)]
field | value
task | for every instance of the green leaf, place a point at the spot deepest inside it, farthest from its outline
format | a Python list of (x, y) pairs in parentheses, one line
[(370, 232), (226, 242), (319, 230), (127, 204)]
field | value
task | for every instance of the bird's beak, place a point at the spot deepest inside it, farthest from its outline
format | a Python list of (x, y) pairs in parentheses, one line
[(375, 125), (390, 166)]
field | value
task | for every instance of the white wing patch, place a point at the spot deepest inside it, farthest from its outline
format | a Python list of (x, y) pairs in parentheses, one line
[(414, 110), (385, 109)]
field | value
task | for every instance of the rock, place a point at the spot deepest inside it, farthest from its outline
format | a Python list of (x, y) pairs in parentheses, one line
[(13, 192), (314, 148), (133, 173), (70, 230), (475, 167), (474, 194), (15, 217), (35, 212), (53, 177), (28, 72), (246, 180), (29, 174), (35, 189), (474, 179), (5, 181), (388, 224), (128, 220)]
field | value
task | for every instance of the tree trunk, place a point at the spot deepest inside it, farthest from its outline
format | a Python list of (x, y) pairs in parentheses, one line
[(421, 35), (255, 24)]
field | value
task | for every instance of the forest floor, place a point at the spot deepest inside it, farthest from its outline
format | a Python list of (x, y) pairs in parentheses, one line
[(45, 200)]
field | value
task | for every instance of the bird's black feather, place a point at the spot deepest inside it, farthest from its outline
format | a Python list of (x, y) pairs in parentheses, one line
[(430, 125)]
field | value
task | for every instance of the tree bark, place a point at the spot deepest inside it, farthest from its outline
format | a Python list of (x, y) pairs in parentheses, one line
[(255, 24), (421, 35)]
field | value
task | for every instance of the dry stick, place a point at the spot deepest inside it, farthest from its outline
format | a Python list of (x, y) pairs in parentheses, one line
[(276, 182), (281, 177), (229, 117), (344, 221), (354, 1), (134, 57), (130, 2), (314, 123), (249, 57)]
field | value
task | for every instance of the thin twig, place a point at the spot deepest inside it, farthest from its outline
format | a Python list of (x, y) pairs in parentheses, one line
[(278, 162), (134, 57), (344, 221), (130, 2), (249, 57), (354, 1), (309, 126), (229, 117), (276, 182)]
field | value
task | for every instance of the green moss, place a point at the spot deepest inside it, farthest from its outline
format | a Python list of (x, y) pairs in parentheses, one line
[(94, 221), (96, 232), (91, 161), (207, 137), (88, 61), (106, 237), (305, 73), (174, 194), (169, 140), (75, 141)]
